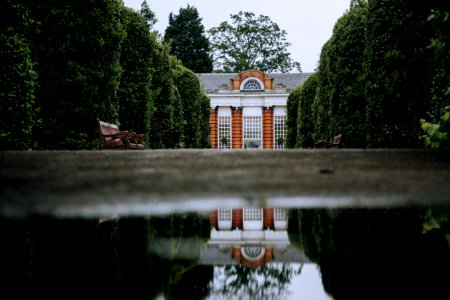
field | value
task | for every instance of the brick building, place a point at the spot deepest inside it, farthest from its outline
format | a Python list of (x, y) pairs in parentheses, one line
[(251, 237), (248, 110)]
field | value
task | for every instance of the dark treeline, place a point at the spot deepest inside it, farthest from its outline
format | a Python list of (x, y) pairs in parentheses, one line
[(376, 253), (385, 67), (125, 258), (66, 63)]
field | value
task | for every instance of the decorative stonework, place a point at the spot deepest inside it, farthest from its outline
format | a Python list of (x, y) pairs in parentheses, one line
[(264, 79)]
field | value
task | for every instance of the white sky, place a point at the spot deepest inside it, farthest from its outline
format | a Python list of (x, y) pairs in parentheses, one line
[(308, 23)]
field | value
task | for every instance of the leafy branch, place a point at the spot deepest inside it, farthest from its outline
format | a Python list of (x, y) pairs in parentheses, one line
[(436, 134)]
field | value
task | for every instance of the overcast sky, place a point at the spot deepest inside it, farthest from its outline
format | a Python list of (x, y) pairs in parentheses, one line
[(308, 23)]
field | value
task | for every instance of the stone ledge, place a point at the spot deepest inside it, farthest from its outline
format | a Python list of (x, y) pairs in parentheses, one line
[(163, 181)]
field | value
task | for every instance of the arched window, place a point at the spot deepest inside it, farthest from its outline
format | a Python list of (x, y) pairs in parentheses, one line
[(253, 252), (252, 84)]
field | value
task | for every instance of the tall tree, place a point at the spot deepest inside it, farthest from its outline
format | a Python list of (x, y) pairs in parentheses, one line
[(135, 96), (196, 107), (343, 94), (18, 79), (320, 109), (397, 67), (440, 46), (251, 42), (205, 110), (76, 47), (167, 117), (188, 86), (292, 116), (305, 124), (188, 40), (148, 14)]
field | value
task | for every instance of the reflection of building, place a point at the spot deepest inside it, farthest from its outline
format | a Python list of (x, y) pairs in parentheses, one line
[(249, 108), (250, 237)]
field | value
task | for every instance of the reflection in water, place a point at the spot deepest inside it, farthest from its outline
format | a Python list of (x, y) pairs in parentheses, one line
[(376, 254), (270, 281), (246, 253), (119, 258)]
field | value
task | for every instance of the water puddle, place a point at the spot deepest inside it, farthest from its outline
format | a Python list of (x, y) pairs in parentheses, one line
[(228, 253)]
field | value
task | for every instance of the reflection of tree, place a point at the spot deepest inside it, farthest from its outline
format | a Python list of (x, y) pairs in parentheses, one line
[(112, 259), (373, 254), (145, 271), (193, 284), (267, 282)]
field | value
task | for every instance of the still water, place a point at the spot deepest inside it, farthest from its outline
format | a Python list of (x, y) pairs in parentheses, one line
[(241, 253)]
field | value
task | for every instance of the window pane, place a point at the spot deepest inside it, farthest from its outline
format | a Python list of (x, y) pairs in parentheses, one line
[(279, 132), (224, 132), (280, 214), (252, 84), (224, 214), (253, 214), (252, 131)]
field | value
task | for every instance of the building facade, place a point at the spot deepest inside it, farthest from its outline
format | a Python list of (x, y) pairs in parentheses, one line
[(248, 110), (251, 237)]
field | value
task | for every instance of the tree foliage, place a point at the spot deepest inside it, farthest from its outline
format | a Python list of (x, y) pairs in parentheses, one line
[(167, 117), (385, 67), (18, 79), (189, 43), (437, 134), (116, 258), (320, 108), (205, 111), (148, 15), (134, 93), (76, 46), (292, 117), (251, 42), (67, 63), (270, 281), (343, 86), (398, 72), (440, 47), (305, 128), (192, 100), (355, 247)]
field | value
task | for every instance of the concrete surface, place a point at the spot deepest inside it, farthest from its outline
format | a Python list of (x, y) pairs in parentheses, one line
[(92, 183)]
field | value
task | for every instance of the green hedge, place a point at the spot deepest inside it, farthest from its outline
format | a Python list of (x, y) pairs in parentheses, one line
[(386, 66)]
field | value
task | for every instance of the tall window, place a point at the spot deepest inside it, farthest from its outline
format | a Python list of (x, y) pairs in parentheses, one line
[(224, 128), (253, 214), (252, 132), (279, 125), (224, 132), (280, 214), (224, 214)]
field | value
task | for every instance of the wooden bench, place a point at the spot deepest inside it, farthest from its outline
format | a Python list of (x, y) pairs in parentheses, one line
[(114, 139), (334, 143)]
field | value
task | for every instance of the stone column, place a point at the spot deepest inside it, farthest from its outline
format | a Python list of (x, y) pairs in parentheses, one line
[(236, 127), (213, 125), (267, 127)]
